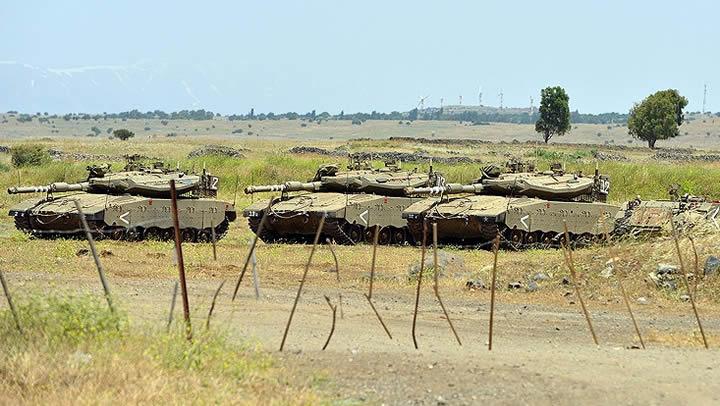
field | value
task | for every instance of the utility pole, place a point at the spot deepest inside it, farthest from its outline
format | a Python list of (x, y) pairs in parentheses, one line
[(501, 99), (704, 98)]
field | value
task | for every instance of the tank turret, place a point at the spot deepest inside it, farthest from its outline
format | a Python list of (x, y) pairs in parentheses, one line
[(447, 189), (130, 205), (524, 208)]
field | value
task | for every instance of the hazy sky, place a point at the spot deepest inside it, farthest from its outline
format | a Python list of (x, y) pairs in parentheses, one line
[(229, 56)]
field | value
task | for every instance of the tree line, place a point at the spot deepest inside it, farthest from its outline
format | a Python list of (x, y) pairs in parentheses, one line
[(412, 115)]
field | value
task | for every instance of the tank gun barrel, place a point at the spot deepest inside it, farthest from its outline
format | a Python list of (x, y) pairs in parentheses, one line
[(53, 187), (448, 189), (285, 187)]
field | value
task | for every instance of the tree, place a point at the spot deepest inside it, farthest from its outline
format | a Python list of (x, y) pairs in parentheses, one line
[(554, 113), (123, 134), (413, 115), (657, 117)]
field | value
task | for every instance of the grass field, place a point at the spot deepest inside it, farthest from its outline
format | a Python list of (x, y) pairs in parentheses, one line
[(699, 132), (50, 365)]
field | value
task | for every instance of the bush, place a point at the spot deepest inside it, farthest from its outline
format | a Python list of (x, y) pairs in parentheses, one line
[(123, 134), (29, 155), (96, 130), (62, 320)]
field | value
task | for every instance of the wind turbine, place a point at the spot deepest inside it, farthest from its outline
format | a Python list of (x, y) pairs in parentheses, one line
[(421, 103)]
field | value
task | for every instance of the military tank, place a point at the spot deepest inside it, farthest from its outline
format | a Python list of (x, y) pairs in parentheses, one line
[(129, 205), (355, 202), (655, 217), (526, 208)]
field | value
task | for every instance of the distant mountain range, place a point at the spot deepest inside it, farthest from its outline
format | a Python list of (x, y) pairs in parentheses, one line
[(144, 86)]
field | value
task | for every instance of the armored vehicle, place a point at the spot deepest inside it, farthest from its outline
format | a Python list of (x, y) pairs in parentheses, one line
[(129, 205), (354, 202), (654, 217), (525, 208)]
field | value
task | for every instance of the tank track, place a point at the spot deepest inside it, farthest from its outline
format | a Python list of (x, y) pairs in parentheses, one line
[(118, 233), (267, 236), (334, 230)]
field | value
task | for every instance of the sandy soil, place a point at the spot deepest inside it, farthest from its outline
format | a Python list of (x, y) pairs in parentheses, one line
[(543, 354)]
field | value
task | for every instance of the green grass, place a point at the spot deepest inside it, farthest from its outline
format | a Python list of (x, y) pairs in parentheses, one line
[(650, 180)]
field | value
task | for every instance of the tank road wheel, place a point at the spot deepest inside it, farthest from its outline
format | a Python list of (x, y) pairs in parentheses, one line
[(546, 239), (385, 236), (355, 233), (583, 240), (517, 238), (204, 236), (152, 233), (116, 233), (135, 234), (533, 238), (187, 234), (399, 236), (167, 234)]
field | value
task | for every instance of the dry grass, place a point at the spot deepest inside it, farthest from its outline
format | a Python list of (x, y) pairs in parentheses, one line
[(697, 131), (74, 351)]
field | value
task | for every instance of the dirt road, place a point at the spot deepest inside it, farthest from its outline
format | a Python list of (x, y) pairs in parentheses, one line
[(541, 354)]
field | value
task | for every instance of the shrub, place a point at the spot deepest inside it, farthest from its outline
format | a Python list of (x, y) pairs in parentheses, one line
[(29, 155), (123, 134)]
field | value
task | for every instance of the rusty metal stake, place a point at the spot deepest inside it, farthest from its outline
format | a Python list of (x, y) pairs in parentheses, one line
[(302, 281), (374, 255), (419, 282), (212, 305), (687, 284), (611, 251), (697, 265), (337, 274), (378, 316), (180, 261), (567, 254), (368, 296), (256, 277), (10, 302), (214, 240), (332, 329), (172, 307), (437, 288), (93, 251), (261, 226), (496, 246)]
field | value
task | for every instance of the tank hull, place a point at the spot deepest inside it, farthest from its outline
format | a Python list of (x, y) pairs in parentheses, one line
[(123, 217), (521, 222), (350, 218)]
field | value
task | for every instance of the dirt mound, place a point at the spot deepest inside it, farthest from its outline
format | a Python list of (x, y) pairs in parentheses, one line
[(684, 155), (60, 155), (608, 156), (317, 151), (217, 150)]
